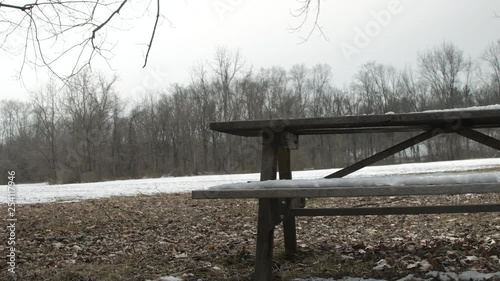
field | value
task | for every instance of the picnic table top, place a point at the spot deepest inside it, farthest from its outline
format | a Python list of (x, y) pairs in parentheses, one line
[(474, 118)]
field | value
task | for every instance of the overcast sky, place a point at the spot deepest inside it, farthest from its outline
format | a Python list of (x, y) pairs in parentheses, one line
[(357, 31)]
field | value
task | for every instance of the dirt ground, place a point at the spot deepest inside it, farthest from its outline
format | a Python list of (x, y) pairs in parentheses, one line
[(145, 237)]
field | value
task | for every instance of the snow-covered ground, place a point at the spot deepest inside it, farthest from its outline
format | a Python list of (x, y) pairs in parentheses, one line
[(43, 193)]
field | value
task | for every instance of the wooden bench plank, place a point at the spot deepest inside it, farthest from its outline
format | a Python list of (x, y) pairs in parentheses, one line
[(348, 191)]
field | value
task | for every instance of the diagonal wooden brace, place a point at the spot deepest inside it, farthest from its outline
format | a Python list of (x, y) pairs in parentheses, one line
[(480, 138), (386, 153)]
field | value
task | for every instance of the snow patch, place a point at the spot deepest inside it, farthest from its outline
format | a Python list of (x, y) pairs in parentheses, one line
[(167, 278), (472, 108)]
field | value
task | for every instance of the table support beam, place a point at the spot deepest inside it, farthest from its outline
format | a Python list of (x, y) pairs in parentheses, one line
[(384, 154), (480, 138), (407, 210)]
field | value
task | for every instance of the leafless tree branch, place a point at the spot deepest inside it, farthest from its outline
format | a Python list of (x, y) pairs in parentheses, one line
[(153, 34), (22, 8), (303, 13), (117, 11), (52, 32)]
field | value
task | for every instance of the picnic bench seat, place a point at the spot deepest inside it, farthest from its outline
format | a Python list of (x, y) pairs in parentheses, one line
[(291, 192), (280, 201)]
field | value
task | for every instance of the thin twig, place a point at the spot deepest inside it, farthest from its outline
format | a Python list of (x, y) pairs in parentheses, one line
[(304, 13), (153, 34), (117, 11)]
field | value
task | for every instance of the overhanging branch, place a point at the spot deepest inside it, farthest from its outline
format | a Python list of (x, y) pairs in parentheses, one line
[(22, 8), (117, 11), (153, 34)]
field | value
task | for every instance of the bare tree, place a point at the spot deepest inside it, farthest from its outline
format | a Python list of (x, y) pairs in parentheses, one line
[(298, 77), (412, 91), (441, 67), (226, 66), (204, 105), (445, 69), (133, 158), (15, 116), (275, 83), (47, 116), (150, 126), (88, 104), (16, 145), (377, 86), (318, 85), (492, 76)]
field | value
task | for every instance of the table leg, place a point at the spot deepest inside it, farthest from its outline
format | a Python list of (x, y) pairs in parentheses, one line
[(289, 225), (290, 230), (268, 218), (268, 215)]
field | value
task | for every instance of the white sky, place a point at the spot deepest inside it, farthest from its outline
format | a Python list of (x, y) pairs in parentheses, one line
[(260, 30)]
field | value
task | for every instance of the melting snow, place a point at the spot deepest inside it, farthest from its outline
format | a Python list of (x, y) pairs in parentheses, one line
[(485, 107), (167, 278)]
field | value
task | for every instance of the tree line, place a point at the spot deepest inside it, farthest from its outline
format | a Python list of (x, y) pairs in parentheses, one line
[(84, 132)]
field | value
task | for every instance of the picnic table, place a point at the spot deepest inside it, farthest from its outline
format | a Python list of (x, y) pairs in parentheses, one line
[(281, 201)]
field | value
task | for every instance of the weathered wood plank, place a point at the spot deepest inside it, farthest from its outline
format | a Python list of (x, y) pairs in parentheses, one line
[(384, 154), (269, 160), (387, 122), (350, 191), (408, 210), (284, 163)]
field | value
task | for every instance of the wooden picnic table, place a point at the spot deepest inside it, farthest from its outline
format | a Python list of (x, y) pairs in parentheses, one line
[(279, 136)]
